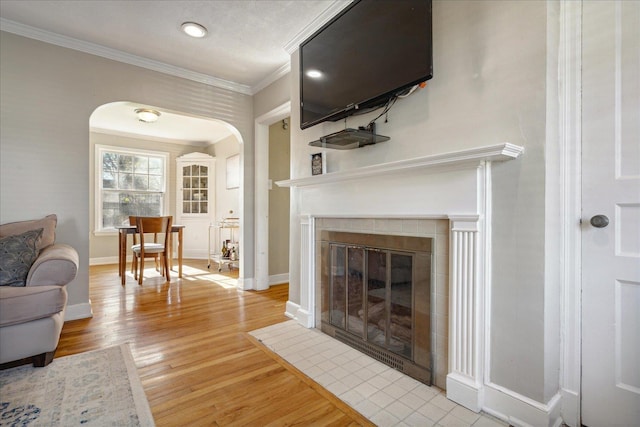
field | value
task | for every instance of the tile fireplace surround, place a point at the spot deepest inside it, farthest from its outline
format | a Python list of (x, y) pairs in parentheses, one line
[(444, 196), (436, 229)]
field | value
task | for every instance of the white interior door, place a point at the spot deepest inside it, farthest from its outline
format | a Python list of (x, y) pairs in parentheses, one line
[(611, 189)]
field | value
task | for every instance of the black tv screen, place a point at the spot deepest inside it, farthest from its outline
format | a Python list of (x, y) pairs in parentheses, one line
[(371, 51)]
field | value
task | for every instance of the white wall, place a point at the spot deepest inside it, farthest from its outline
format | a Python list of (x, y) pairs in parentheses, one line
[(48, 95), (279, 159), (227, 200), (489, 86)]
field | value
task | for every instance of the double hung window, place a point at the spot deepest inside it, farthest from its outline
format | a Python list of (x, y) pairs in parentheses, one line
[(129, 182)]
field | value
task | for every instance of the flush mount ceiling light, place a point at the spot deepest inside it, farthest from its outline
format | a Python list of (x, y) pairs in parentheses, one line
[(147, 115), (194, 30)]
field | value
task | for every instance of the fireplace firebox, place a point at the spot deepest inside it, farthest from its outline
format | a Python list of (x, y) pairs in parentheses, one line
[(376, 297)]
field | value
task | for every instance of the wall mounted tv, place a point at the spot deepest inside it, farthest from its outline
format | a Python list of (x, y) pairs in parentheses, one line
[(368, 53)]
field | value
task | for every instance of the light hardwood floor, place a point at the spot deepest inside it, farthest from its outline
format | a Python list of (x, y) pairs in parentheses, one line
[(196, 361)]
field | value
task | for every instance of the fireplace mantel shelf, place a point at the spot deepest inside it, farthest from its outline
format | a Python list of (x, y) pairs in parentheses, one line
[(456, 159)]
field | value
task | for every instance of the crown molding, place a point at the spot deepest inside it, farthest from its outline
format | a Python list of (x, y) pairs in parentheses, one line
[(282, 71), (116, 55), (332, 10)]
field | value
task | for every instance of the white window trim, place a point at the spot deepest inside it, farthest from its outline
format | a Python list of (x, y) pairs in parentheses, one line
[(99, 149)]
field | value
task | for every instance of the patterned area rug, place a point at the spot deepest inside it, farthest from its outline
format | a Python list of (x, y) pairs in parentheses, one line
[(96, 388)]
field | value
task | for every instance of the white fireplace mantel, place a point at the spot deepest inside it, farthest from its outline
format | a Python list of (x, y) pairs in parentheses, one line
[(455, 186), (455, 159)]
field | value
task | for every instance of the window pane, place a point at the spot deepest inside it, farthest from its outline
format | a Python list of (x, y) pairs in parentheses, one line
[(109, 179), (186, 207), (186, 171), (141, 164), (125, 181), (140, 182), (186, 195), (204, 170), (203, 182), (110, 162), (156, 166), (109, 217), (148, 204), (195, 207), (194, 171), (203, 207), (155, 183), (125, 163), (186, 182)]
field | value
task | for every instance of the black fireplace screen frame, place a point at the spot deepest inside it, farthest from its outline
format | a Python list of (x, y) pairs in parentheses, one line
[(376, 305)]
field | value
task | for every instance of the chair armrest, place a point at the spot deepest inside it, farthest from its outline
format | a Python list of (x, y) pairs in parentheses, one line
[(56, 265)]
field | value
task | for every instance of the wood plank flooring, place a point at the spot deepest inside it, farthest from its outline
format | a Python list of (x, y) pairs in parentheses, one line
[(196, 361)]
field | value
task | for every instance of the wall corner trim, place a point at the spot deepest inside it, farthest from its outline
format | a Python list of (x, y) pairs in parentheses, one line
[(78, 311), (246, 284), (297, 313), (291, 308)]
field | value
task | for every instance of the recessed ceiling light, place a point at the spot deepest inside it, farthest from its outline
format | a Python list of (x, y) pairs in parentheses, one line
[(194, 30), (147, 115)]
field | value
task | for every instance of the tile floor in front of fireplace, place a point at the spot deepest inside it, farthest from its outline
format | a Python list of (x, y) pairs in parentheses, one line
[(383, 395)]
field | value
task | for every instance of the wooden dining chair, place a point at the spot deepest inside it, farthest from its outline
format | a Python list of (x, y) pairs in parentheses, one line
[(146, 227), (148, 254)]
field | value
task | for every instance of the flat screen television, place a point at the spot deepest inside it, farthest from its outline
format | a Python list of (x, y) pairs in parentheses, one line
[(371, 51)]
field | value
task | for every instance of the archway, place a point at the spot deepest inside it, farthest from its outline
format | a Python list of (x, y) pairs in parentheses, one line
[(175, 133)]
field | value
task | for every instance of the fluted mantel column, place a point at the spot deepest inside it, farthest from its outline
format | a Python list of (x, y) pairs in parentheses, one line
[(464, 381)]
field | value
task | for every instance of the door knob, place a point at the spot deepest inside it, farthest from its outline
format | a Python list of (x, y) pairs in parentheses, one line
[(599, 221)]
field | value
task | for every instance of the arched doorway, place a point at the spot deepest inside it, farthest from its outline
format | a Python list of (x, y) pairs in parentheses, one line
[(115, 127)]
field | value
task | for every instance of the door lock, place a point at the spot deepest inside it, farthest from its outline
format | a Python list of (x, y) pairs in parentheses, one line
[(599, 221)]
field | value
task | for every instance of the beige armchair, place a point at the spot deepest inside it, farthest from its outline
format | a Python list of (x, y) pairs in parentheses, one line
[(32, 312)]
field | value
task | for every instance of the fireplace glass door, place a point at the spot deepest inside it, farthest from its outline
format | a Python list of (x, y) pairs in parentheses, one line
[(378, 299)]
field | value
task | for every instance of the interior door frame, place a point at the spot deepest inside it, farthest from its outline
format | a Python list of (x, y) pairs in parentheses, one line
[(261, 200), (570, 166)]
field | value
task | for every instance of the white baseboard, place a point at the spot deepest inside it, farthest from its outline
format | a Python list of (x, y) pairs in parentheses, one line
[(464, 392), (291, 309), (78, 311), (246, 284), (570, 410), (305, 318), (194, 254), (519, 410), (105, 260), (278, 279), (294, 311)]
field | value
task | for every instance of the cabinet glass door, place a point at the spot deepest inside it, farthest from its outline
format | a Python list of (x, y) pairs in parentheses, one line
[(195, 194)]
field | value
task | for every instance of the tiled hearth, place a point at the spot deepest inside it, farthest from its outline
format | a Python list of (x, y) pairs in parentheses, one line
[(380, 393)]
